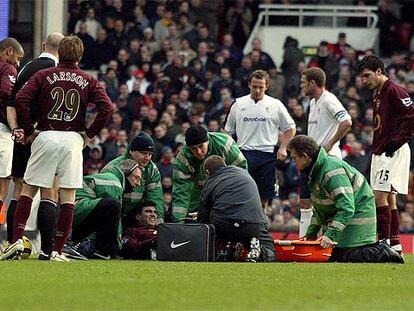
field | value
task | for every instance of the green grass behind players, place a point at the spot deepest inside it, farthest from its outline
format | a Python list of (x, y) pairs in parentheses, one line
[(138, 285)]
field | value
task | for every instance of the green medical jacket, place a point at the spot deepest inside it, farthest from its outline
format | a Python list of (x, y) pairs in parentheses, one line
[(150, 188), (96, 187), (343, 203), (189, 177)]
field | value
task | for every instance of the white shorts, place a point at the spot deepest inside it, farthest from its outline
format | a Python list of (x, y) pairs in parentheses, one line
[(6, 151), (391, 174), (56, 153)]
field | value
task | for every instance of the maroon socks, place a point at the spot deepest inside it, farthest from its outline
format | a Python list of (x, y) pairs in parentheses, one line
[(64, 226), (24, 205), (395, 228), (383, 222)]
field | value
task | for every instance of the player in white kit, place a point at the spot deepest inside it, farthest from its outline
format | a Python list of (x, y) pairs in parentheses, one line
[(256, 119), (328, 123)]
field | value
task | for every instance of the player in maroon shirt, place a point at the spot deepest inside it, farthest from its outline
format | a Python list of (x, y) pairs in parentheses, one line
[(11, 52), (393, 129), (62, 94), (139, 241)]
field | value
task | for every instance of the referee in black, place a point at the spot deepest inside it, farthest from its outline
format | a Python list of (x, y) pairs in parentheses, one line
[(46, 215)]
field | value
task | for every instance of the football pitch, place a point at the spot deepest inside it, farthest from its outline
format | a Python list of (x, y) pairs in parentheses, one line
[(148, 285)]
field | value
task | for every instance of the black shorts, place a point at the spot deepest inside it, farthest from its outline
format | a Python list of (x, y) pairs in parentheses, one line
[(262, 167), (21, 155)]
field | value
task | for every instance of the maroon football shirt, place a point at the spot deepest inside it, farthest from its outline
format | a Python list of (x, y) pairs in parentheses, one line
[(8, 75), (393, 117), (62, 94)]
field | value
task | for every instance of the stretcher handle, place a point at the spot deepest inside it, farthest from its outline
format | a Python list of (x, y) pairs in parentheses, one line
[(297, 242)]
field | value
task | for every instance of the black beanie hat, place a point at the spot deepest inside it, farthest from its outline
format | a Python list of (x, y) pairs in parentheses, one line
[(196, 135), (142, 142)]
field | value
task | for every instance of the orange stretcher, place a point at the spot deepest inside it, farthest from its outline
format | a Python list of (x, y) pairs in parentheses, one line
[(301, 251)]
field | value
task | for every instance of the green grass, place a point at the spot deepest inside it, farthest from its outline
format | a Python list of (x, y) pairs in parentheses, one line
[(139, 285)]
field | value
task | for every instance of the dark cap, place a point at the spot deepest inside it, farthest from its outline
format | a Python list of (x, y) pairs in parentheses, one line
[(342, 35), (142, 142), (196, 135)]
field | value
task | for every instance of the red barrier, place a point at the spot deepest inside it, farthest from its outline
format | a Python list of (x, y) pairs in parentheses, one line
[(407, 240)]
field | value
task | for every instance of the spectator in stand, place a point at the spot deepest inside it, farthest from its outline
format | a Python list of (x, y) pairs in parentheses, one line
[(186, 52), (264, 58), (292, 56), (88, 42), (172, 128), (138, 77), (203, 55), (139, 241), (180, 138), (165, 163), (161, 139), (150, 42), (357, 158), (239, 18), (161, 55), (174, 37), (183, 105), (235, 51), (140, 20), (225, 81), (300, 118), (161, 26), (95, 162), (406, 223), (183, 24), (112, 83), (338, 48), (387, 22), (92, 25), (118, 38), (277, 84), (102, 50), (112, 150), (151, 121), (327, 63), (214, 126), (241, 75)]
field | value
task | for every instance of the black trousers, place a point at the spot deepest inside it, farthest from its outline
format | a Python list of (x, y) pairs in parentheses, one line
[(243, 232), (378, 252), (103, 221)]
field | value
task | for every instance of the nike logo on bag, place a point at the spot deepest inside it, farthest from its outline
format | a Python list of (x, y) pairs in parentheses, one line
[(173, 245)]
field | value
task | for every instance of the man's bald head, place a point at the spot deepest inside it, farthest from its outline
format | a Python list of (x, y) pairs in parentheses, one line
[(10, 43), (51, 45), (11, 51)]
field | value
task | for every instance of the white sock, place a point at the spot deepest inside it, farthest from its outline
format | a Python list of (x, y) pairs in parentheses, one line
[(305, 219)]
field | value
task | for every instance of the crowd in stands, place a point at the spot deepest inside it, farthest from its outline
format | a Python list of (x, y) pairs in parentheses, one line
[(167, 65)]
